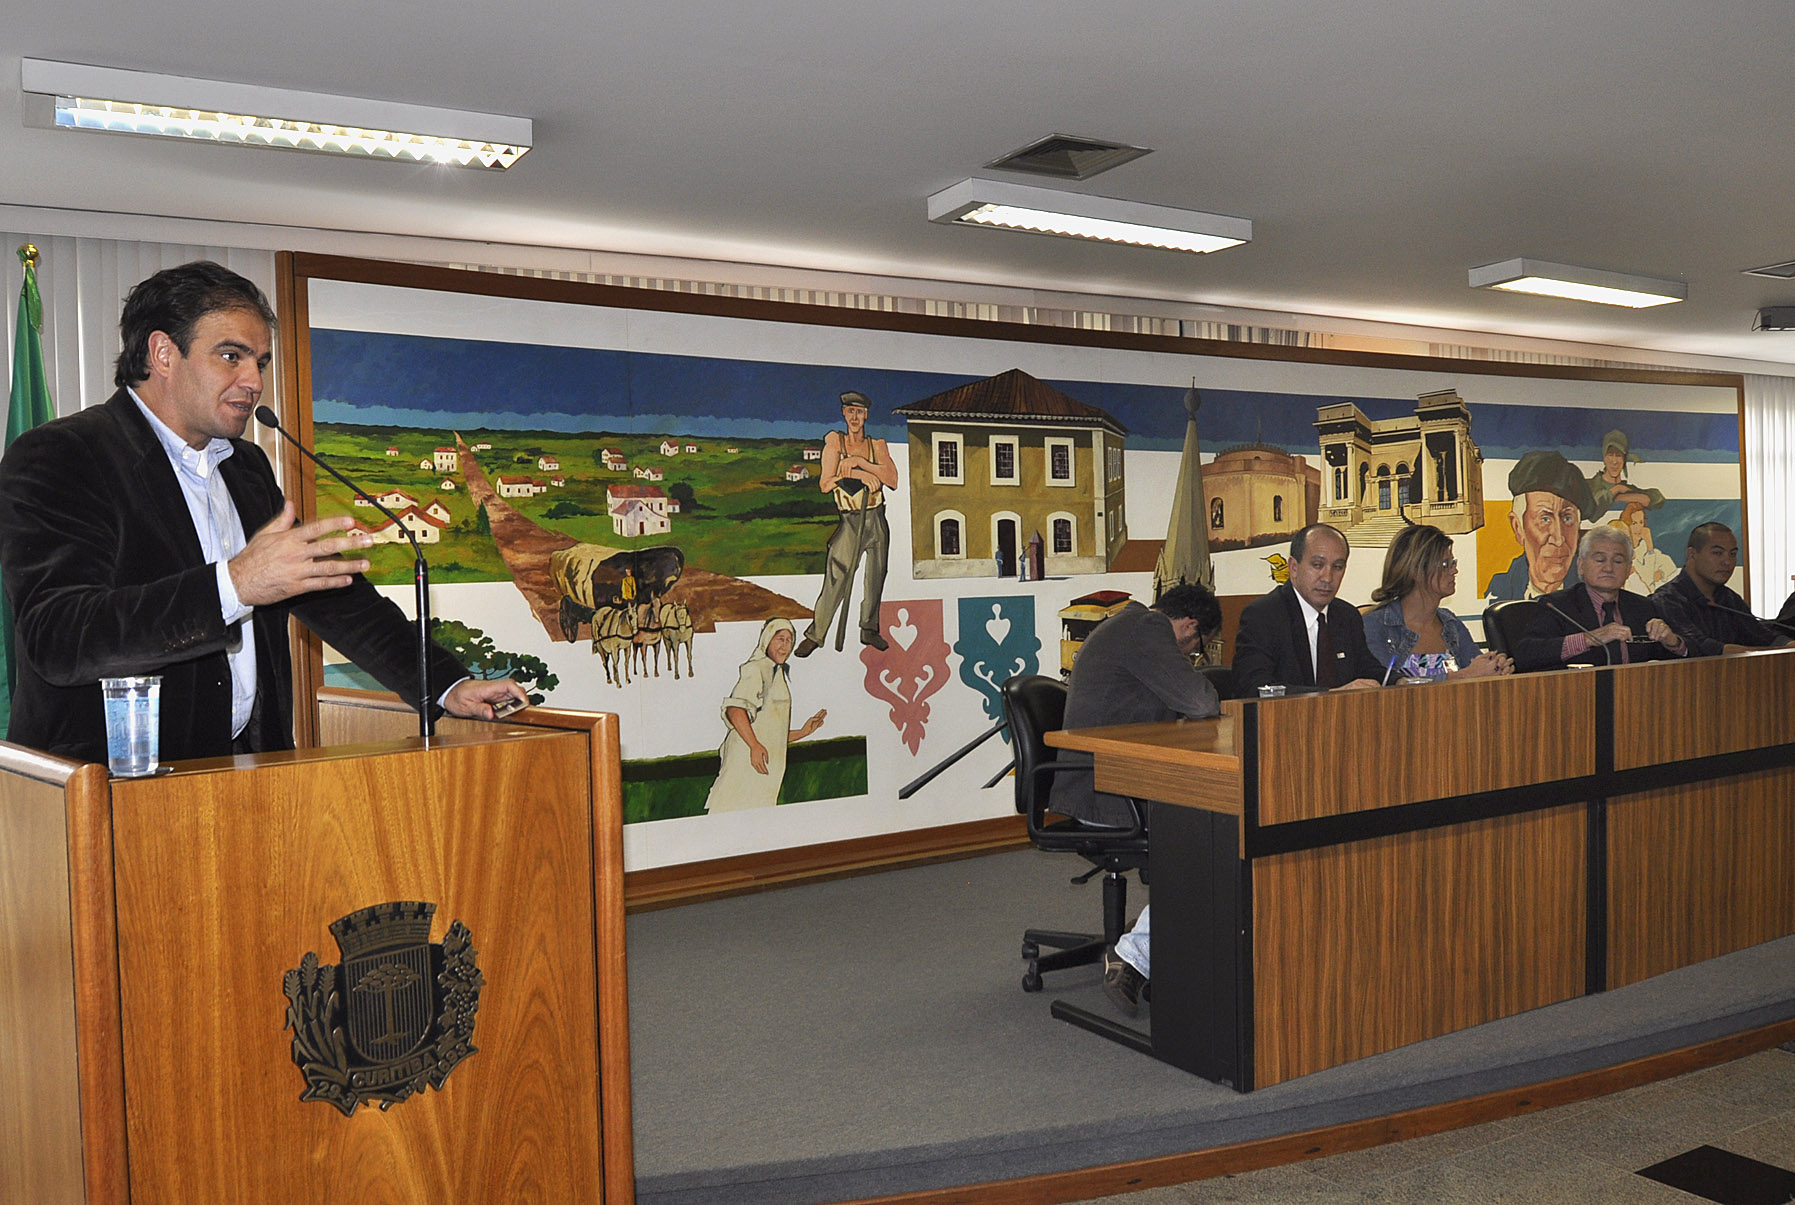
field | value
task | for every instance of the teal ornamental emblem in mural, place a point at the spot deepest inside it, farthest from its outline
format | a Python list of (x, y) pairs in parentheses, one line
[(997, 642)]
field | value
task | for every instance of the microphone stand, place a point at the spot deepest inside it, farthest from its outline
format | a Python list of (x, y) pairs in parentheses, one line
[(420, 568)]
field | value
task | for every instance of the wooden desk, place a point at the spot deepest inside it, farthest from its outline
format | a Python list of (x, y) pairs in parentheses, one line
[(1352, 872)]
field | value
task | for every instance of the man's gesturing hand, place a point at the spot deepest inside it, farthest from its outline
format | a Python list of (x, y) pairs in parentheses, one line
[(285, 558)]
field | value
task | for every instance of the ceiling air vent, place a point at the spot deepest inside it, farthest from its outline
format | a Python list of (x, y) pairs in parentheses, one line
[(1774, 271), (1068, 157)]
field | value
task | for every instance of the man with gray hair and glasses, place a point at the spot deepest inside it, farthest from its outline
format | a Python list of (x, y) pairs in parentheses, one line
[(1596, 622)]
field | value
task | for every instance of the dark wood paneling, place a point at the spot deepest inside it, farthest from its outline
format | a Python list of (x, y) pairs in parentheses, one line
[(1365, 947), (1348, 751), (1669, 711), (1698, 871)]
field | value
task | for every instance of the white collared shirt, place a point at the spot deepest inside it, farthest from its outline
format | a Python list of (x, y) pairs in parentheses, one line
[(221, 537)]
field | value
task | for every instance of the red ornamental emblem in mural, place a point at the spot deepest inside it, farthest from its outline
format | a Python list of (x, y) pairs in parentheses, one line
[(912, 668), (395, 1016)]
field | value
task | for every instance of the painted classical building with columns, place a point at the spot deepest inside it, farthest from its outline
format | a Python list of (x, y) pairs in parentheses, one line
[(1376, 473)]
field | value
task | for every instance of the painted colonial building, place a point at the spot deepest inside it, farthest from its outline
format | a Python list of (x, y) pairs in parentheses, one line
[(639, 510), (1257, 494), (998, 460), (1375, 472)]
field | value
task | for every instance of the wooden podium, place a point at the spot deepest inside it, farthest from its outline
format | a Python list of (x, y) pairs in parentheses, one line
[(148, 928)]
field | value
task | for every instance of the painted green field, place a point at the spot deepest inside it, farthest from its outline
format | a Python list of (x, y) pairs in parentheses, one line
[(667, 788), (738, 514)]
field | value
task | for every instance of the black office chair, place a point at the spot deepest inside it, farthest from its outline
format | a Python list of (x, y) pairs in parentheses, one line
[(1504, 622), (1035, 706), (1221, 677)]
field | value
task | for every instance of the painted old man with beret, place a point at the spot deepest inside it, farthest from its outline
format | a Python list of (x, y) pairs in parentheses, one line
[(1551, 502)]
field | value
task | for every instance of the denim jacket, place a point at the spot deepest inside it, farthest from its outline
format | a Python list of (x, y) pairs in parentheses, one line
[(1390, 639)]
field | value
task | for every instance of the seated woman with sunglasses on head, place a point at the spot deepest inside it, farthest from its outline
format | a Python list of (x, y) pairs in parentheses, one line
[(1410, 633)]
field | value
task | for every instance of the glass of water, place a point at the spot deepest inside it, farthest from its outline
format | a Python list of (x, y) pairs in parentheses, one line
[(133, 716)]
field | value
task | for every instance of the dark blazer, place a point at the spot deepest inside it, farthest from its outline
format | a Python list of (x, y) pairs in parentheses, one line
[(1272, 646), (106, 578), (1541, 641)]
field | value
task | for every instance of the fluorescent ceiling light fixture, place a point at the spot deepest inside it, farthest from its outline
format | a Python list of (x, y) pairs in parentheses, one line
[(1578, 284), (80, 97), (1076, 215)]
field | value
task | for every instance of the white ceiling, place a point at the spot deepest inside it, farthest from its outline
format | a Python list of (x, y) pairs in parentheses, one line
[(1381, 148)]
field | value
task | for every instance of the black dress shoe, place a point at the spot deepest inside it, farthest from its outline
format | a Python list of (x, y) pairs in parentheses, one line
[(805, 647), (874, 641)]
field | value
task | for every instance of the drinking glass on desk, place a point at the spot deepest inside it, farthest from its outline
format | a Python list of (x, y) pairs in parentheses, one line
[(133, 720)]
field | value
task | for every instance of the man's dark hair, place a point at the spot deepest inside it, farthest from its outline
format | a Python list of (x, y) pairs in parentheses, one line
[(173, 301), (1300, 540), (1703, 532), (1192, 600)]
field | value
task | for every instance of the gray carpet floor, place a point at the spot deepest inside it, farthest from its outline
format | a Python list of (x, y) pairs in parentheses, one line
[(870, 1036)]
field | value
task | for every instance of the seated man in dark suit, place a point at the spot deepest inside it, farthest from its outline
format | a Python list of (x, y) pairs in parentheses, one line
[(1697, 602), (1596, 622), (1135, 669), (1301, 635)]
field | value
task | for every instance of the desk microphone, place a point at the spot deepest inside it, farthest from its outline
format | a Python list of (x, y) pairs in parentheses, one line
[(1568, 619), (1775, 624), (420, 568)]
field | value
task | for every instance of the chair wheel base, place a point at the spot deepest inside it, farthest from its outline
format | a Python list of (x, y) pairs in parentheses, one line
[(1031, 981)]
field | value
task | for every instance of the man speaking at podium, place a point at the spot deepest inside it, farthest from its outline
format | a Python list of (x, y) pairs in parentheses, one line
[(146, 536)]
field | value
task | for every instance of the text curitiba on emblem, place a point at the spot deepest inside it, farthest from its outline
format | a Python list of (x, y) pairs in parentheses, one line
[(396, 1014)]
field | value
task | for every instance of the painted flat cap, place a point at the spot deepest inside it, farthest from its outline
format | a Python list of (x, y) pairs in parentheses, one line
[(1551, 473)]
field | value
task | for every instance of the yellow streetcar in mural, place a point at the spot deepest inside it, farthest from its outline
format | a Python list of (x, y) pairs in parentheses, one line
[(1080, 616)]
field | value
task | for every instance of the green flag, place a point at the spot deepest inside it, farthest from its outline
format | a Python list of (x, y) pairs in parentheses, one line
[(30, 406)]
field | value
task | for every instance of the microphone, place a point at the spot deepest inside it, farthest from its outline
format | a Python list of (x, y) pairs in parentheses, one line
[(420, 568), (1773, 624), (1568, 619)]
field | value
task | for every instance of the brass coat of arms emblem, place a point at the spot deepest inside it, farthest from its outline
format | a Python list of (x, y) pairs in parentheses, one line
[(395, 1015)]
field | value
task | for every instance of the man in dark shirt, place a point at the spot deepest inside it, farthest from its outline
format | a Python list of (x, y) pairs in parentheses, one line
[(1698, 603), (1135, 669)]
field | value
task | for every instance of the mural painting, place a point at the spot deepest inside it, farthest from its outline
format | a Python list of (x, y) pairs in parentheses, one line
[(686, 540)]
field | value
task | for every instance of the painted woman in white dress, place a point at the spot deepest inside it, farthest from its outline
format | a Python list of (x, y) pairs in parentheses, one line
[(759, 715)]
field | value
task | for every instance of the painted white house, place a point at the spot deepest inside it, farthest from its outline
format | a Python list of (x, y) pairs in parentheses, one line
[(447, 460), (438, 512), (427, 528), (548, 464), (813, 453), (613, 459), (669, 448), (396, 500), (447, 486), (638, 510), (392, 451), (796, 473)]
